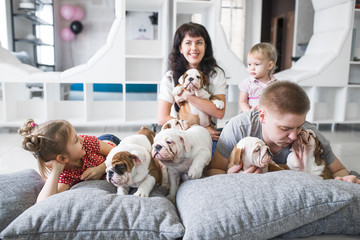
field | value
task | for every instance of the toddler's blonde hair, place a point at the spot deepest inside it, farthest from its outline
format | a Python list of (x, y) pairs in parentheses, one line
[(266, 50)]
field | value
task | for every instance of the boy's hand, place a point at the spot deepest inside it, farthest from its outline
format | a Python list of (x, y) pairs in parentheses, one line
[(349, 178), (237, 168)]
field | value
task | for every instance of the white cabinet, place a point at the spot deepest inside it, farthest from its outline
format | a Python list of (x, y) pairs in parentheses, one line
[(354, 76), (145, 60), (339, 104)]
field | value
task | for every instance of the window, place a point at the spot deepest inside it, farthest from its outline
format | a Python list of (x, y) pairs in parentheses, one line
[(233, 22), (3, 26)]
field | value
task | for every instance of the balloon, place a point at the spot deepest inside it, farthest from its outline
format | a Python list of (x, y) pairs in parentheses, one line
[(78, 14), (76, 27), (67, 35), (67, 11)]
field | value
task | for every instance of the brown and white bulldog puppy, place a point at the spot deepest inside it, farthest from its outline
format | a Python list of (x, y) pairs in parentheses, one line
[(251, 151), (193, 82), (306, 154), (130, 165), (184, 152), (177, 124)]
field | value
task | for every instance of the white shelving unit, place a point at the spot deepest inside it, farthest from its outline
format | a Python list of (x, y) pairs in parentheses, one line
[(136, 62), (146, 60), (338, 103), (354, 76)]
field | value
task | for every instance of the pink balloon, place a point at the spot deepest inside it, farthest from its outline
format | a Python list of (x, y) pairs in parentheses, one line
[(78, 13), (67, 35), (67, 11)]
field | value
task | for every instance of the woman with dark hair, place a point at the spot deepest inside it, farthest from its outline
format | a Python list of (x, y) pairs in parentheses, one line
[(192, 48)]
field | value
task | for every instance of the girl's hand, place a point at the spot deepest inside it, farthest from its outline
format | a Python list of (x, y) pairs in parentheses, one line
[(349, 178), (55, 166), (214, 134), (94, 173)]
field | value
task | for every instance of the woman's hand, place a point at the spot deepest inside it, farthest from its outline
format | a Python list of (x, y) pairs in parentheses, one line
[(183, 97), (94, 173), (214, 133), (349, 178)]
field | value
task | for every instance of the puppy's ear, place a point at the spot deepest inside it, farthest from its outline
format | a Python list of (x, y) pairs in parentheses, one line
[(235, 157), (203, 82), (182, 79), (136, 160), (166, 126), (186, 144)]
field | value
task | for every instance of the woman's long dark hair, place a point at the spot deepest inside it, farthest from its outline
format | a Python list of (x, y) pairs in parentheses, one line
[(178, 64)]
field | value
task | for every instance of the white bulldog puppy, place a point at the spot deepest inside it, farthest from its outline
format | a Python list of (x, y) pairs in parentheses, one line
[(184, 152), (130, 165), (305, 155), (251, 151), (193, 82)]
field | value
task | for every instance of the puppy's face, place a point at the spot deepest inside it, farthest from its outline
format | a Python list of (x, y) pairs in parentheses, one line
[(119, 170), (169, 146), (251, 151), (177, 124), (306, 145), (192, 80)]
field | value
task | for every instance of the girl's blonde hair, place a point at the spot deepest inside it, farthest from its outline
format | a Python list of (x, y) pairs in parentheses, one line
[(266, 50), (45, 141)]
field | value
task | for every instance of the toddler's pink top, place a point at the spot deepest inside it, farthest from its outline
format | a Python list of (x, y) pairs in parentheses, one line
[(254, 88), (92, 158)]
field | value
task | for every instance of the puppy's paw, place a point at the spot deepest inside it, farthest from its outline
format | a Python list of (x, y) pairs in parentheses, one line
[(194, 173), (172, 198), (219, 104), (184, 124), (122, 191), (177, 90), (141, 193)]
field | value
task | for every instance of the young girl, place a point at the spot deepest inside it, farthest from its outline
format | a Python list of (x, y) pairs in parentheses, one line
[(65, 158), (261, 65), (192, 48)]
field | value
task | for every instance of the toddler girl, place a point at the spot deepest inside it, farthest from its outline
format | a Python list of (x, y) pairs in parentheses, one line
[(261, 65), (65, 158)]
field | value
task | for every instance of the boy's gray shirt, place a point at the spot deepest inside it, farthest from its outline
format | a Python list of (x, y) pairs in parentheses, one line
[(248, 124)]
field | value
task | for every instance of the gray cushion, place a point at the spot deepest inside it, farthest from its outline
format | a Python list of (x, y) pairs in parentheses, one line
[(346, 220), (92, 210), (18, 191), (255, 206)]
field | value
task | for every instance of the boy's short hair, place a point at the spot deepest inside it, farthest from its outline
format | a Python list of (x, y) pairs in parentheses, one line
[(285, 97), (266, 50)]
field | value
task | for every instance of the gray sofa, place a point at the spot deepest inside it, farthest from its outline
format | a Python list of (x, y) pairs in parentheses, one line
[(283, 204)]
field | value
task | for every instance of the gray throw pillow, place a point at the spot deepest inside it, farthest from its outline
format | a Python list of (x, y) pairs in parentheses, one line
[(18, 192), (255, 206), (93, 210), (345, 221)]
